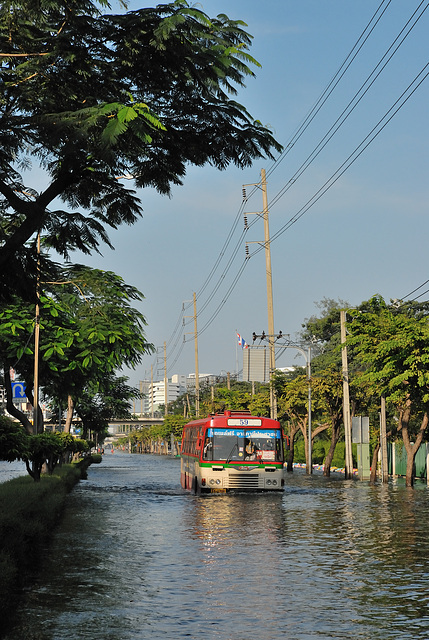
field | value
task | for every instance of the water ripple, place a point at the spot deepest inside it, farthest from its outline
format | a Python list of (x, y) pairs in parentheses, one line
[(137, 558)]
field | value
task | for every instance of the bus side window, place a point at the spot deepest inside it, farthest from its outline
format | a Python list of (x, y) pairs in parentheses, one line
[(208, 449)]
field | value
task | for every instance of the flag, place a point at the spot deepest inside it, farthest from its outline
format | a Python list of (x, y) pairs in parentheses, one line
[(241, 341)]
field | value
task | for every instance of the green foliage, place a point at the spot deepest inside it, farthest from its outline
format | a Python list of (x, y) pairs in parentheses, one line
[(319, 452), (28, 514), (14, 442), (88, 329), (144, 94), (173, 424), (393, 341), (102, 400)]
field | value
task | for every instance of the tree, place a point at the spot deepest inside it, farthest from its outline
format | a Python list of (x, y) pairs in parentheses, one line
[(88, 330), (393, 341), (13, 441), (324, 332), (143, 95), (103, 400), (292, 394)]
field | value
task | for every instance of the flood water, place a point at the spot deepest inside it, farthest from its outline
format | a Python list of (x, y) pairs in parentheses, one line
[(137, 558)]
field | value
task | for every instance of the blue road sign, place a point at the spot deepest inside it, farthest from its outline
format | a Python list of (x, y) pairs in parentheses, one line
[(18, 390)]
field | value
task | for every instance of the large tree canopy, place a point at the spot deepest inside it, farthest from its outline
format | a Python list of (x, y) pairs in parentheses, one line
[(88, 330), (94, 98), (393, 341)]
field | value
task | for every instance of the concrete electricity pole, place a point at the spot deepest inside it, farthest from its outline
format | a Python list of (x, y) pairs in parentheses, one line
[(165, 380), (383, 441), (36, 345), (197, 375), (151, 390), (270, 306), (346, 400)]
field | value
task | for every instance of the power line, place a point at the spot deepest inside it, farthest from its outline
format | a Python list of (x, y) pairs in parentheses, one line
[(301, 129), (340, 171), (351, 105), (421, 295), (374, 21), (332, 84), (353, 156), (414, 290)]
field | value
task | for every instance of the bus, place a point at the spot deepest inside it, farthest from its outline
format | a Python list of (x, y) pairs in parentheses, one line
[(232, 451)]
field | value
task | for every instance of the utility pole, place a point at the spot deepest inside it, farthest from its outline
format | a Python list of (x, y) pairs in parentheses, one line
[(151, 390), (36, 345), (310, 461), (346, 400), (383, 441), (165, 380), (197, 374), (270, 306)]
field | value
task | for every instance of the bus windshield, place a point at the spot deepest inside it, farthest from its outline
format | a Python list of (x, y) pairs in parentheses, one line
[(239, 445)]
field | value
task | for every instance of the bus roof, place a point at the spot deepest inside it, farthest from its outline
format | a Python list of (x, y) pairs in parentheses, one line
[(221, 417)]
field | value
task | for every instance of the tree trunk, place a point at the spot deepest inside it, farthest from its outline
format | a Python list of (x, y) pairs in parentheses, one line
[(335, 436), (293, 430), (373, 474), (404, 417), (69, 416), (40, 426)]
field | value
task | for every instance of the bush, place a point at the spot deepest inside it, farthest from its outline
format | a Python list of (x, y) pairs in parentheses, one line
[(29, 512), (319, 451)]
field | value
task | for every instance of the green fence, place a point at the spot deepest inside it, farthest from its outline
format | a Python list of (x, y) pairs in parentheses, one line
[(398, 465)]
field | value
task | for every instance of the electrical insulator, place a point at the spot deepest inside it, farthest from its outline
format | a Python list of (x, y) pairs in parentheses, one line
[(244, 193), (245, 222), (247, 250), (263, 335), (254, 336)]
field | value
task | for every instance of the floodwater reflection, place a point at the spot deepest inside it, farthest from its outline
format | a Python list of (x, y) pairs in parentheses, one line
[(136, 557)]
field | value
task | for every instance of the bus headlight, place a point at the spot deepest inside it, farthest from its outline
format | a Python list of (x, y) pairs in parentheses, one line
[(218, 481), (268, 482), (274, 481), (212, 481)]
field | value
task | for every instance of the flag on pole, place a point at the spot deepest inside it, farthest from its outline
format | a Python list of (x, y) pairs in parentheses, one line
[(241, 341)]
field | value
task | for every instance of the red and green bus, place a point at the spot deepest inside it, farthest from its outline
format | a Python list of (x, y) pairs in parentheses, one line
[(232, 451)]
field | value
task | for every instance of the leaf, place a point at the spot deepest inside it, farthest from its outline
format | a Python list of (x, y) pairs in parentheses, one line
[(112, 131), (126, 114)]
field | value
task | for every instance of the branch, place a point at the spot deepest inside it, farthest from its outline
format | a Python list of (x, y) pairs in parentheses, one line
[(21, 206), (34, 213), (10, 407), (22, 55)]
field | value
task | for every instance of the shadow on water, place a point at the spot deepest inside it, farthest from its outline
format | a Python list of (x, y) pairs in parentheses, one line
[(136, 557)]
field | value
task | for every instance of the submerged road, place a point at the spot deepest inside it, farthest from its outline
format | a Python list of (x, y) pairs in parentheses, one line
[(137, 558)]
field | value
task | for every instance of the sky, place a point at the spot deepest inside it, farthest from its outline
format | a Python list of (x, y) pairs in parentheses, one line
[(367, 234)]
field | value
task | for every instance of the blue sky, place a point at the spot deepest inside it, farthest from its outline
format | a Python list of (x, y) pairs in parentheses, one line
[(367, 234)]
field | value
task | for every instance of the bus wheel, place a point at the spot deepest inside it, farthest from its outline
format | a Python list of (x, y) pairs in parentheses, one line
[(196, 487)]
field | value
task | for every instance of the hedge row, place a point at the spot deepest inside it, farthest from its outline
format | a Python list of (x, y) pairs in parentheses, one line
[(29, 512)]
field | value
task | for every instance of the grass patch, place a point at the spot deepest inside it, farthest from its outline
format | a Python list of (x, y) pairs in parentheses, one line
[(29, 512)]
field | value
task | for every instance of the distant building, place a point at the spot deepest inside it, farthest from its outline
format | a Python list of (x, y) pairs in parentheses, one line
[(178, 385)]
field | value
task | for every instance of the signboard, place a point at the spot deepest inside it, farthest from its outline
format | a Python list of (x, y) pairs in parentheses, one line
[(244, 433), (360, 430), (244, 422), (256, 364), (18, 391)]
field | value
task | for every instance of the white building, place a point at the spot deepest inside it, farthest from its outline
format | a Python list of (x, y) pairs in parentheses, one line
[(177, 385), (154, 395)]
